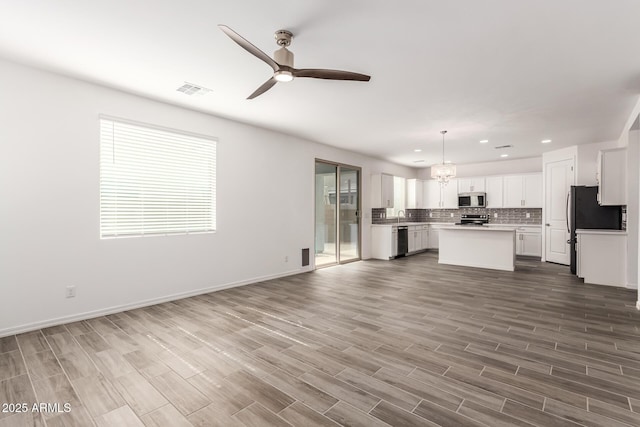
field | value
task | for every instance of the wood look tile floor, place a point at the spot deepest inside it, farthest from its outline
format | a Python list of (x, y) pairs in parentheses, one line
[(373, 343)]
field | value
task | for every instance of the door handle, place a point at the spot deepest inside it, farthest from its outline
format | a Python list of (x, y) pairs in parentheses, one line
[(568, 195), (548, 225)]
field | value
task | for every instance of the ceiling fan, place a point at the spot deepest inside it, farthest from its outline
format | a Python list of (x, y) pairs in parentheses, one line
[(282, 63)]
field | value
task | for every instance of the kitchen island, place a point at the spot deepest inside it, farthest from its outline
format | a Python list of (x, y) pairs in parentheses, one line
[(478, 246)]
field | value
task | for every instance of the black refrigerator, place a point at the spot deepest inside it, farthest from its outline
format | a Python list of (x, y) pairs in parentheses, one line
[(585, 212)]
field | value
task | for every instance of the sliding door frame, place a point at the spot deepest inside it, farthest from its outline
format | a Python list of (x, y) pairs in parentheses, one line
[(338, 236)]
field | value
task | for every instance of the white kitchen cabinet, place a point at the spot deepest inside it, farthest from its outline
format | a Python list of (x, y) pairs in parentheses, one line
[(602, 256), (529, 242), (450, 195), (494, 188), (434, 242), (415, 194), (382, 191), (471, 185), (425, 237), (418, 238), (611, 177), (412, 234), (522, 191), (434, 236), (384, 241), (431, 194), (437, 196), (394, 242)]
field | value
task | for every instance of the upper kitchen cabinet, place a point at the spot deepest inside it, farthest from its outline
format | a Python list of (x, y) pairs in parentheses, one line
[(611, 177), (439, 197), (471, 185), (415, 194), (493, 188), (431, 194), (382, 191), (522, 191), (450, 195)]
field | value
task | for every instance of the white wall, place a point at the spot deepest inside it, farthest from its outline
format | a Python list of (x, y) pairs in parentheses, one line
[(49, 209), (623, 141), (505, 167), (633, 205), (587, 161)]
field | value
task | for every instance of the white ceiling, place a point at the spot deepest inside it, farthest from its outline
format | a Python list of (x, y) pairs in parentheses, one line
[(513, 72)]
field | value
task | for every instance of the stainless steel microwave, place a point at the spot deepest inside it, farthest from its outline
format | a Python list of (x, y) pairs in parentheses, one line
[(472, 200)]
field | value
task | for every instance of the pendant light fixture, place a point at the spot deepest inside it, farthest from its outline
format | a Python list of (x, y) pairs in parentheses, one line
[(444, 171)]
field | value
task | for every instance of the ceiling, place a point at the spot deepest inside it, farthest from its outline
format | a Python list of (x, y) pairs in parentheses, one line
[(512, 72)]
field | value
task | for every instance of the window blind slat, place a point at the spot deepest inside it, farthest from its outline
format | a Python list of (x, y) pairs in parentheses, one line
[(154, 181)]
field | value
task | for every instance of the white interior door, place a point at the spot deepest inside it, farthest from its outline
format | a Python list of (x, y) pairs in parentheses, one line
[(559, 178)]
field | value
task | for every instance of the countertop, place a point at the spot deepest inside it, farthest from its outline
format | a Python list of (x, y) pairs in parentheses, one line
[(598, 231), (478, 228), (448, 224)]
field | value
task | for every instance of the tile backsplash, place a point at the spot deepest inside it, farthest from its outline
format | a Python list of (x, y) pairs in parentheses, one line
[(496, 216)]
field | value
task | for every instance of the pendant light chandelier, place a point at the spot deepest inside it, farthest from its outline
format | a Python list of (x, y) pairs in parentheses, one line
[(444, 171)]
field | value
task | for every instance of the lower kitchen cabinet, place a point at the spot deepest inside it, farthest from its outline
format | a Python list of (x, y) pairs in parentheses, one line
[(434, 237), (602, 257), (394, 241), (384, 240), (425, 237), (418, 237), (529, 243)]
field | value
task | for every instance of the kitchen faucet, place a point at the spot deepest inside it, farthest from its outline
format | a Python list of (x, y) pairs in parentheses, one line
[(398, 216)]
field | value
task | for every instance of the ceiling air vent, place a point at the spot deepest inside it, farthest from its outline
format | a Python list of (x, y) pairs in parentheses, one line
[(191, 89), (500, 147)]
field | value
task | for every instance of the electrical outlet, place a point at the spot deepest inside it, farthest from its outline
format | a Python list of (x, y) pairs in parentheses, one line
[(430, 214), (70, 292), (409, 214), (495, 214), (528, 215), (451, 214)]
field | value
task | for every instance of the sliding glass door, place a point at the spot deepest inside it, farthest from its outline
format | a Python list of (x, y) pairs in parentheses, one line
[(349, 214), (337, 207)]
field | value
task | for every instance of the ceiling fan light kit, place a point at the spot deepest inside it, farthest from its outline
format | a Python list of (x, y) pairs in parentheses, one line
[(443, 172), (282, 62), (283, 76)]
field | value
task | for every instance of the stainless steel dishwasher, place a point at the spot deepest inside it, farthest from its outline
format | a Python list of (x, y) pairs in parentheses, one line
[(403, 240)]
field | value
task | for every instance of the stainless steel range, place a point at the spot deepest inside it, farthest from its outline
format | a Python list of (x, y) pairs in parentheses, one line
[(473, 219)]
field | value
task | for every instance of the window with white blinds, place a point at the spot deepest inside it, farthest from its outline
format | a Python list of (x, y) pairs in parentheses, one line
[(155, 181)]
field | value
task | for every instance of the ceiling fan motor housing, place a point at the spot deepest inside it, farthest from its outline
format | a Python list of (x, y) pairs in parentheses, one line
[(283, 56)]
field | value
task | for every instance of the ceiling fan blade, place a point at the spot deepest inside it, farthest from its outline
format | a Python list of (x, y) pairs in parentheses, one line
[(265, 87), (246, 45), (330, 74)]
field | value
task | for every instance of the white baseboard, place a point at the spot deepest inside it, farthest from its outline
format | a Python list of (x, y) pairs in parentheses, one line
[(632, 285), (138, 304)]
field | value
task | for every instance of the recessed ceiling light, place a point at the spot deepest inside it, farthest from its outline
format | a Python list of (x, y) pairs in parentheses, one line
[(484, 141), (417, 150), (447, 161), (504, 155), (545, 141)]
